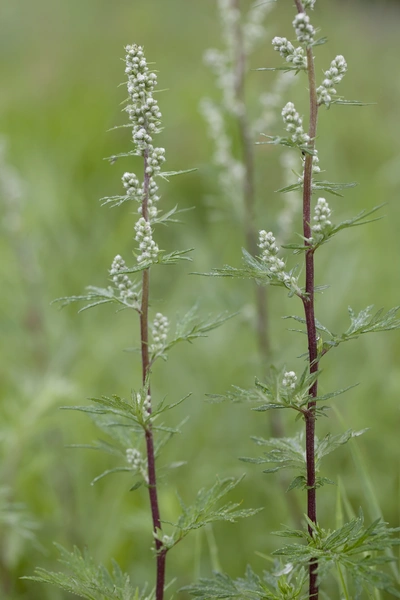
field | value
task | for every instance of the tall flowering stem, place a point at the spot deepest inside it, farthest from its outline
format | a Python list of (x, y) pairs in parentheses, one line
[(145, 116), (308, 299), (351, 548)]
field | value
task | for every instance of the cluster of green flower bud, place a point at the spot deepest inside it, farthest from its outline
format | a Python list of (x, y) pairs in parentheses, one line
[(122, 282), (309, 4), (333, 76), (135, 190), (155, 160), (322, 213), (145, 404), (145, 118), (289, 380), (134, 457), (147, 246), (294, 124), (267, 243), (159, 331), (151, 200), (315, 163), (166, 540), (132, 185), (315, 166), (137, 462), (144, 115), (141, 82), (289, 52), (144, 112), (304, 30)]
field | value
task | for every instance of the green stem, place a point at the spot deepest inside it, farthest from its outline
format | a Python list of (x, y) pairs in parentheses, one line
[(342, 582)]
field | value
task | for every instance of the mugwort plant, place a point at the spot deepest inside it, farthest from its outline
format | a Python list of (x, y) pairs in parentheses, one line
[(134, 423), (355, 552)]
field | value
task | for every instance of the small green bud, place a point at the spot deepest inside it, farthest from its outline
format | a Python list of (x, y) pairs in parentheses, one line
[(320, 345)]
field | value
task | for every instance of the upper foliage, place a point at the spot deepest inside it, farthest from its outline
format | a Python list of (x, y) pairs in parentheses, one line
[(272, 393), (290, 453), (206, 510), (284, 584), (359, 550), (366, 321)]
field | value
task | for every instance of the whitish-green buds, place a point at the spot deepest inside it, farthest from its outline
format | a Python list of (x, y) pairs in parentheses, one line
[(131, 185), (156, 159), (267, 244), (289, 52), (309, 4), (294, 124), (152, 199), (322, 214), (159, 332), (144, 403), (283, 46), (144, 112), (304, 30), (135, 189), (137, 462), (333, 76), (289, 380), (133, 457), (147, 246), (122, 282), (315, 165), (140, 80)]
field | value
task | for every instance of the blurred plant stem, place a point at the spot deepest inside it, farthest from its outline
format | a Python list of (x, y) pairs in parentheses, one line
[(251, 234), (247, 145)]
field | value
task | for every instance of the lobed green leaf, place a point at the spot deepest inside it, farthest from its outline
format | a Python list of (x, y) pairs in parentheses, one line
[(356, 549), (285, 584), (88, 580), (205, 509)]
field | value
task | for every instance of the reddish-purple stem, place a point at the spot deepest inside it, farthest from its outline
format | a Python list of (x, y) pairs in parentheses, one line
[(151, 463), (308, 301)]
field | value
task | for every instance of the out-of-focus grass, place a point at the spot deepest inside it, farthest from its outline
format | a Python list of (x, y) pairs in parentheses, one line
[(61, 70)]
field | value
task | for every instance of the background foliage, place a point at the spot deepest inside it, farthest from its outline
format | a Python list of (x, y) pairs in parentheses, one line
[(61, 71)]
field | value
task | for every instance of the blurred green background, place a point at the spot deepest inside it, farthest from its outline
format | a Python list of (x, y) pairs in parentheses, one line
[(61, 70)]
